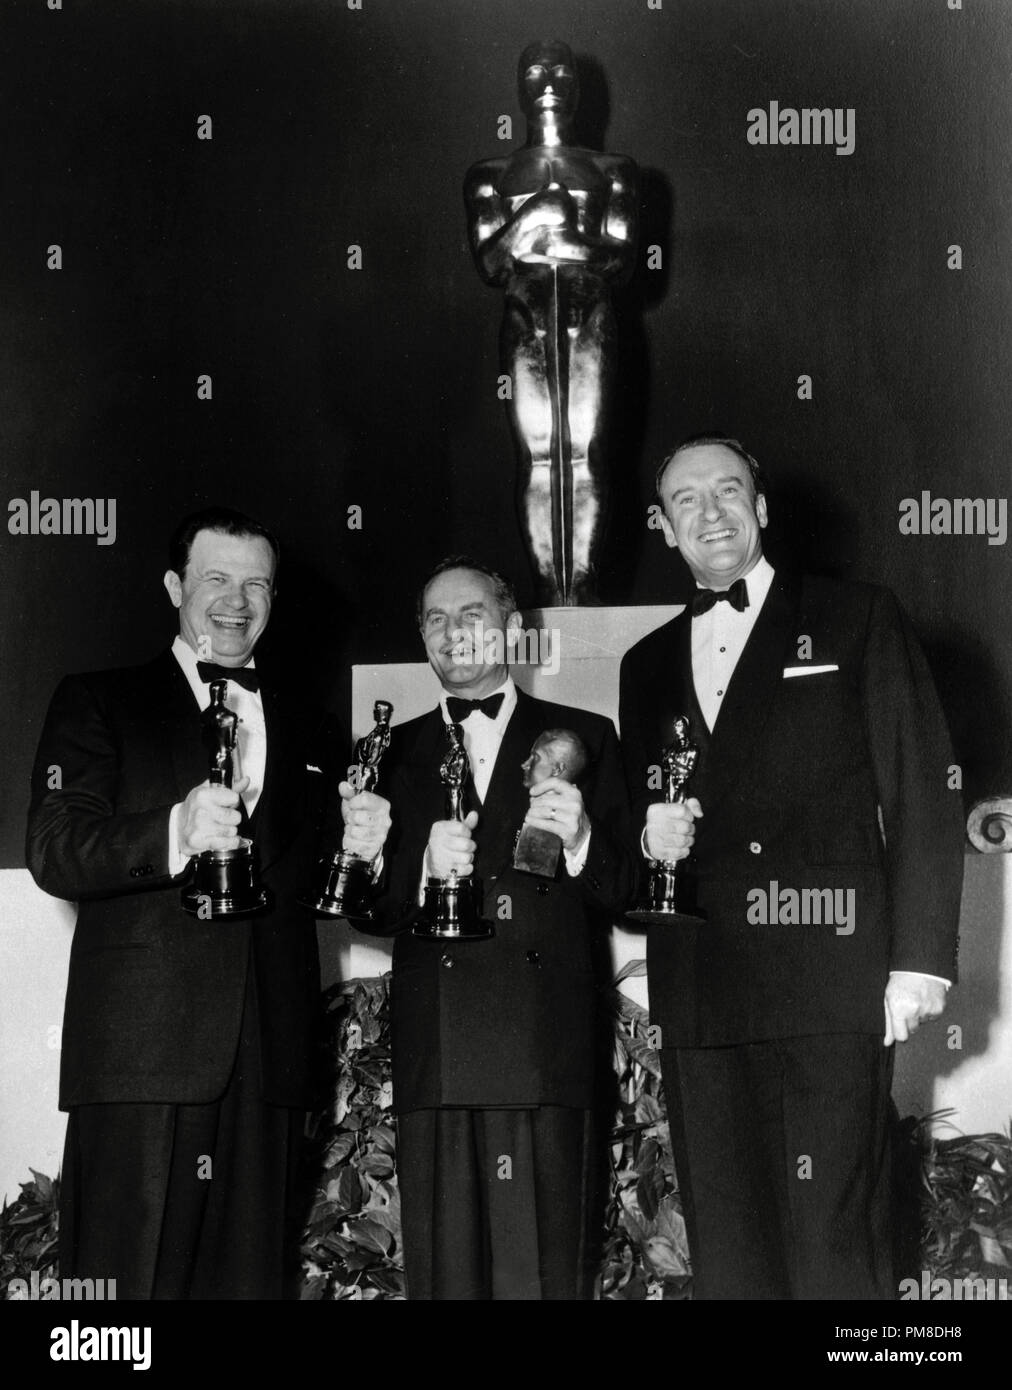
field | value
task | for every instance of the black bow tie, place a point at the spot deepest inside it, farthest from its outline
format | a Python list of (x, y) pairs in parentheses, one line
[(459, 709), (208, 671), (704, 599)]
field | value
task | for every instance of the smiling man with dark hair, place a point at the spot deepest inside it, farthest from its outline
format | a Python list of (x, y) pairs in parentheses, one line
[(186, 1042)]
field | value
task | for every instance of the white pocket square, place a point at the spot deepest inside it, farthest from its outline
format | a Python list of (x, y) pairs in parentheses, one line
[(790, 671), (311, 768)]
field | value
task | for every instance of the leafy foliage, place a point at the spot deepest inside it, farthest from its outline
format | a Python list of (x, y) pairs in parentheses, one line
[(351, 1247), (645, 1253), (29, 1232), (966, 1204)]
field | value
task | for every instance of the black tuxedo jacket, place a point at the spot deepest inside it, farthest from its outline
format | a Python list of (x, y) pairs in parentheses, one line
[(836, 781), (155, 997), (509, 1020)]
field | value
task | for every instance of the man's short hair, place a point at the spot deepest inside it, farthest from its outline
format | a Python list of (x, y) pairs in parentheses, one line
[(502, 589), (580, 760), (697, 440), (227, 522)]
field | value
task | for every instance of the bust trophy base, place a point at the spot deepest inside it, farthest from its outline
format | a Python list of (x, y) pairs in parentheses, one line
[(537, 852)]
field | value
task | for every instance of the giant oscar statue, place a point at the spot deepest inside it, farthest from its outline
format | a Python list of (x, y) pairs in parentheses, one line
[(554, 225)]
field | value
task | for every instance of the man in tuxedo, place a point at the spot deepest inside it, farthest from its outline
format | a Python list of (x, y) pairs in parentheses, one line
[(824, 849), (187, 1042), (494, 1041)]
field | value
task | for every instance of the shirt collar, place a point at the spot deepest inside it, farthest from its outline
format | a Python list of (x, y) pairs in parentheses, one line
[(757, 582), (509, 704), (188, 659)]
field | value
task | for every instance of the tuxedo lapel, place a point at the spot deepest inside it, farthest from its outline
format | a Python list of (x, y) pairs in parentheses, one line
[(278, 811), (424, 758), (179, 717), (676, 693), (751, 691)]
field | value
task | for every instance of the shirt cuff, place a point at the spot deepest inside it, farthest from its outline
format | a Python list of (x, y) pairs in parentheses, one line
[(576, 860), (177, 860), (922, 975), (426, 875)]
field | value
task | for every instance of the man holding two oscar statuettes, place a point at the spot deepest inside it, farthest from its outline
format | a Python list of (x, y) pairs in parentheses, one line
[(188, 1036), (494, 1039)]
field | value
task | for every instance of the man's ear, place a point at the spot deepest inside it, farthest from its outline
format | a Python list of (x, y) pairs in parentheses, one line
[(760, 509), (669, 532), (173, 587)]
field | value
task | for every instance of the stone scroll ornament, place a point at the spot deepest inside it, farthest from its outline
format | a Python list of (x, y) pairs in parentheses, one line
[(554, 226), (989, 825)]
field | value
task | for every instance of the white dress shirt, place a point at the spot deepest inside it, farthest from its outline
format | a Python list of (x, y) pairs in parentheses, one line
[(251, 751), (719, 637)]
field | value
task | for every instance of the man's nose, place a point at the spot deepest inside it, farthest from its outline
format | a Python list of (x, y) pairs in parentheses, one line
[(713, 507), (236, 596)]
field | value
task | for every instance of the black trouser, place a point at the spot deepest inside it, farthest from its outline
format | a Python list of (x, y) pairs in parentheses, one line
[(495, 1203), (183, 1201), (782, 1151)]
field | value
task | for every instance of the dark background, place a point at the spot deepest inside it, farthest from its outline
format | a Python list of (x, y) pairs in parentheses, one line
[(378, 387)]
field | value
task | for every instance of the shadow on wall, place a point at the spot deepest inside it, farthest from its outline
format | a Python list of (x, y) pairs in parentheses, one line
[(975, 1026)]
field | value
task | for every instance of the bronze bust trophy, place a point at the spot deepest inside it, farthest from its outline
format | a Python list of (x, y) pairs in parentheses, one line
[(555, 226), (452, 907), (555, 753), (225, 881), (664, 901), (344, 879)]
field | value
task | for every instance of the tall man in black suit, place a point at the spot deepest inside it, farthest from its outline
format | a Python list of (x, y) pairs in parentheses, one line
[(186, 1042), (494, 1040), (823, 766)]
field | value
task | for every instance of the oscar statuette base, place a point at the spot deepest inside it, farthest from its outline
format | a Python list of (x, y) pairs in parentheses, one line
[(225, 885), (452, 911), (345, 888), (661, 904)]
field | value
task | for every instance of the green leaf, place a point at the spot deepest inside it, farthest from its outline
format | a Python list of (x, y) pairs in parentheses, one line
[(384, 1138), (377, 1165), (338, 1150), (44, 1185), (349, 1190), (368, 1232), (632, 969), (646, 1198)]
